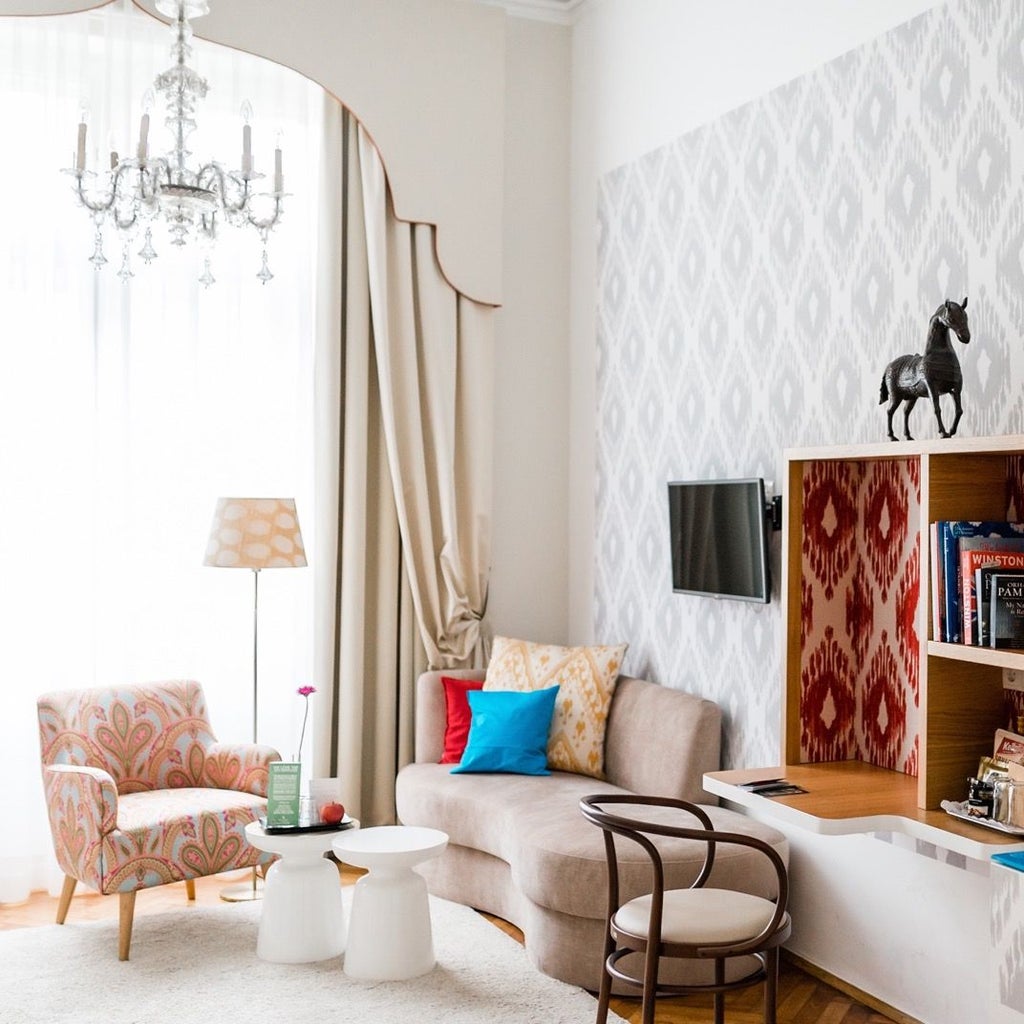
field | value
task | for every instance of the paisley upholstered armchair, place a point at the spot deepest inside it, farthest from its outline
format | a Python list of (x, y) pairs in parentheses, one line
[(139, 793)]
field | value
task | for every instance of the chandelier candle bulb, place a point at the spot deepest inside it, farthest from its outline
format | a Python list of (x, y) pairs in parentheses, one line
[(80, 154), (278, 176), (143, 137), (246, 150)]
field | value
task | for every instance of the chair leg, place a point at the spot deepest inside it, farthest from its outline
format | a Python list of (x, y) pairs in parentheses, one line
[(650, 997), (604, 995), (124, 936), (190, 888), (719, 995), (65, 898), (771, 984)]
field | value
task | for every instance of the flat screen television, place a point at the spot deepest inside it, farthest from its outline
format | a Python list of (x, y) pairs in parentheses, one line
[(719, 539)]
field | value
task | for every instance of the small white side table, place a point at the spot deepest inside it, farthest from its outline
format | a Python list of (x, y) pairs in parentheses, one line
[(389, 937), (302, 918)]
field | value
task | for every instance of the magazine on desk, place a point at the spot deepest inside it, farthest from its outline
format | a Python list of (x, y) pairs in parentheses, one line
[(772, 787)]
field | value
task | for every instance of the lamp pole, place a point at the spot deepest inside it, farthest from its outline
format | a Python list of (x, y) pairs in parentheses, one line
[(255, 652)]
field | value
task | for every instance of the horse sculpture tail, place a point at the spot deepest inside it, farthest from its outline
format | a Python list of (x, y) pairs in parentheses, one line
[(883, 392)]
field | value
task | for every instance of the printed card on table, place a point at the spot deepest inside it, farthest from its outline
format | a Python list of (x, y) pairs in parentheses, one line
[(283, 791)]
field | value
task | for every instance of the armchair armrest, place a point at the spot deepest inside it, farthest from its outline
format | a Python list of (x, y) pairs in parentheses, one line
[(240, 766), (81, 802)]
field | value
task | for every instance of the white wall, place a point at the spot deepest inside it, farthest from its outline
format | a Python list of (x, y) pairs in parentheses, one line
[(904, 926), (645, 72), (530, 564), (425, 78)]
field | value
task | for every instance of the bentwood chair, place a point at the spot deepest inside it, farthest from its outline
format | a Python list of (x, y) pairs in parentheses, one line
[(139, 793), (699, 922)]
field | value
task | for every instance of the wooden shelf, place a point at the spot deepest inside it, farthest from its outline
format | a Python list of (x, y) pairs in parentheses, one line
[(1001, 658), (1008, 444), (954, 695), (850, 798)]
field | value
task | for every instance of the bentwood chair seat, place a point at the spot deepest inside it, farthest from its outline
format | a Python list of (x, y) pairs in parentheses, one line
[(139, 793), (697, 923)]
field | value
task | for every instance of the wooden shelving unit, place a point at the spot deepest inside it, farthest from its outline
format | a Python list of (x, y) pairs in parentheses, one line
[(960, 688)]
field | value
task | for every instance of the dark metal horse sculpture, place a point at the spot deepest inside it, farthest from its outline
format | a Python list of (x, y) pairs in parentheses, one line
[(936, 373)]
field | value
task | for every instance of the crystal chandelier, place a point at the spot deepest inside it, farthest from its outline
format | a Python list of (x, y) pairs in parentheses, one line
[(138, 191)]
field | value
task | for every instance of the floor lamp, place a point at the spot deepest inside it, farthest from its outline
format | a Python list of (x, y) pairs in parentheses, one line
[(255, 534)]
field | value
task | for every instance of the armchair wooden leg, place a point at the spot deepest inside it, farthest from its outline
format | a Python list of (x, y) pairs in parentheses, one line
[(190, 888), (124, 936), (65, 898)]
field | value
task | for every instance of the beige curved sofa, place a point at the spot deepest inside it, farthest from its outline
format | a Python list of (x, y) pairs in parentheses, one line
[(519, 847)]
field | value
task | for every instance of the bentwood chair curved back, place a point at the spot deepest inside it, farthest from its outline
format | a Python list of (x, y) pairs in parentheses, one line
[(699, 922), (139, 793)]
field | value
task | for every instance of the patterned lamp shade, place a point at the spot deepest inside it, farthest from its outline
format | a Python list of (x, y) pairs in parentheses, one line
[(255, 533)]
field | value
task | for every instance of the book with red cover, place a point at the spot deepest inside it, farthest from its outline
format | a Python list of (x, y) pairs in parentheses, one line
[(976, 553)]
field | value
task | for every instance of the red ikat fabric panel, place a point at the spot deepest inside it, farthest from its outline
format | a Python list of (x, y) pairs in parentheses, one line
[(859, 598)]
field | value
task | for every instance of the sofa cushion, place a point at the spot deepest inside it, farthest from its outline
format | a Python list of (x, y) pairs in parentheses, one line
[(586, 678), (165, 835), (556, 857), (660, 741), (509, 732), (560, 864), (457, 716)]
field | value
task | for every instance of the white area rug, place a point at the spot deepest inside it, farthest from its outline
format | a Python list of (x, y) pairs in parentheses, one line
[(199, 966)]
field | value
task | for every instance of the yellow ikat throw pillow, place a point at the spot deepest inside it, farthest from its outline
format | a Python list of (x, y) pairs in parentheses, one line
[(585, 677)]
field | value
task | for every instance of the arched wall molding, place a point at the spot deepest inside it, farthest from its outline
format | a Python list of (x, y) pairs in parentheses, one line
[(426, 78)]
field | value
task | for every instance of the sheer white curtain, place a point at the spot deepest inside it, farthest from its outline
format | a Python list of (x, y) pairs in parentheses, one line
[(126, 410)]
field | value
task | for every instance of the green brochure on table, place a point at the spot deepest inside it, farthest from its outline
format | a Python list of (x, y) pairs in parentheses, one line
[(283, 791)]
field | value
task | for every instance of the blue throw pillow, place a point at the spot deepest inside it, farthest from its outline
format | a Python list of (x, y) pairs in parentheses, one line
[(509, 731)]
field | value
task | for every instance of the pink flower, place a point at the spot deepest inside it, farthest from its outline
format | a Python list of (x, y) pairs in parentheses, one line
[(304, 692)]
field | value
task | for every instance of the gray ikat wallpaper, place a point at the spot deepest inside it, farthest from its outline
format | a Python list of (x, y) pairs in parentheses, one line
[(755, 277)]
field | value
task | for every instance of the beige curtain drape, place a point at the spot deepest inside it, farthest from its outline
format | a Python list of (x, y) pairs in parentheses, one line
[(403, 400), (435, 365)]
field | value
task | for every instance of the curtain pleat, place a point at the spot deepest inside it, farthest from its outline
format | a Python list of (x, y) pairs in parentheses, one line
[(404, 379), (435, 363), (368, 651)]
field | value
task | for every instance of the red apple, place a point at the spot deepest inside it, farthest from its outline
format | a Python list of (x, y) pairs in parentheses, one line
[(332, 813)]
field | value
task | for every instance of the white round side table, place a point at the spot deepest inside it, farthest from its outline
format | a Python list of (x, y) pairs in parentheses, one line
[(389, 936), (302, 918)]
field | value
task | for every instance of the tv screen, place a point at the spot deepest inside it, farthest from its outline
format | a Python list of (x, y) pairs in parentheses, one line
[(719, 539)]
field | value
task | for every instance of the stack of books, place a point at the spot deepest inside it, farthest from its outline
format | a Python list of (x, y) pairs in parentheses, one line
[(978, 583)]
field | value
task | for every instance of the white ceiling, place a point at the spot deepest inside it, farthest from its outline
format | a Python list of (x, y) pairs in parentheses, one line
[(562, 12)]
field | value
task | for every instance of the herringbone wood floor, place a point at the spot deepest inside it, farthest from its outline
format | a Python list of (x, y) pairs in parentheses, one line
[(802, 998)]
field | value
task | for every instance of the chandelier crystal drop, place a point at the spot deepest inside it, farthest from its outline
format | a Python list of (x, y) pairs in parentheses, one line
[(143, 189)]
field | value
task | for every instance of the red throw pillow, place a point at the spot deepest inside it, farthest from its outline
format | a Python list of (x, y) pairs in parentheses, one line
[(456, 730)]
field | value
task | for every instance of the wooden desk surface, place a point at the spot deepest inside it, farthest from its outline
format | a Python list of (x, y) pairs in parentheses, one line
[(849, 797)]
